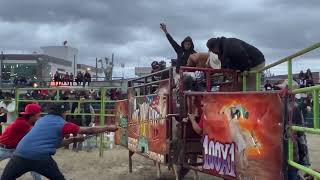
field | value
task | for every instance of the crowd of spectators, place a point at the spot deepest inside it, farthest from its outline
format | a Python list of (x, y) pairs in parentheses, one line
[(69, 79), (302, 80), (7, 99)]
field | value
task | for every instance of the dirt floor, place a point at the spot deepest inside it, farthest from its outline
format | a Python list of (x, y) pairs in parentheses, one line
[(114, 165)]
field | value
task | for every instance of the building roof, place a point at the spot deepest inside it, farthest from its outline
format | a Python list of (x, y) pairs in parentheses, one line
[(85, 67), (39, 57), (142, 70)]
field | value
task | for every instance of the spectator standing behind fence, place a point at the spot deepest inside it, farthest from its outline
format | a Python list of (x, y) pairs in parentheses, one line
[(87, 79), (71, 79), (57, 78), (309, 78), (268, 86), (79, 79), (7, 108), (66, 78)]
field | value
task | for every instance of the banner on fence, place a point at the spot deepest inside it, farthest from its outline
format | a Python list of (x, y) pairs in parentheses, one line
[(147, 126), (242, 135), (121, 136)]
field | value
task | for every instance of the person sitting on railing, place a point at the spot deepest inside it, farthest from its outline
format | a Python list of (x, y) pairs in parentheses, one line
[(238, 55), (183, 51)]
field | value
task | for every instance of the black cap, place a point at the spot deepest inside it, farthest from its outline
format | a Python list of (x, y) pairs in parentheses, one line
[(58, 108)]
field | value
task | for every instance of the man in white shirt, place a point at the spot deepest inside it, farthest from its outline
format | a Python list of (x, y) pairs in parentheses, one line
[(8, 107)]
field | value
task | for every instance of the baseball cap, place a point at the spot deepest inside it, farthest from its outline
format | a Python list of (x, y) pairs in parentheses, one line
[(32, 109), (58, 108)]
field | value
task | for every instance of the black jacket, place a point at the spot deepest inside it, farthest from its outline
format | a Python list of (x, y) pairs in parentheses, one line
[(235, 53), (182, 54)]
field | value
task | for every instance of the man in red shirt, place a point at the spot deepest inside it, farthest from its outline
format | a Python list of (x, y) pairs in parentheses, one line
[(17, 130)]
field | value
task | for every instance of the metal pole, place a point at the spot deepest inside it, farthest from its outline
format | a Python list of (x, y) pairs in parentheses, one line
[(316, 109), (112, 58), (1, 62), (74, 64), (258, 81), (96, 69), (244, 82), (290, 74), (102, 116)]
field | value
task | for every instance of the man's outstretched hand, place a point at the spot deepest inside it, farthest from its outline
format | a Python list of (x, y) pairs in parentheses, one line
[(163, 27)]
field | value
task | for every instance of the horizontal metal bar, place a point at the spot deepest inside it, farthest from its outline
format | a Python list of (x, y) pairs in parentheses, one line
[(190, 69), (85, 114), (67, 88), (297, 54), (56, 101), (305, 129), (150, 75), (195, 93), (306, 89), (151, 83), (305, 169)]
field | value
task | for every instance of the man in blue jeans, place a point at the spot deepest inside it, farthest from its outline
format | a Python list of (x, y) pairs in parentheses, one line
[(17, 130), (35, 150)]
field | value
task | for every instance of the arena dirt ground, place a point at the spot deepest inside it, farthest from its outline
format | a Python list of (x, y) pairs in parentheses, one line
[(114, 165)]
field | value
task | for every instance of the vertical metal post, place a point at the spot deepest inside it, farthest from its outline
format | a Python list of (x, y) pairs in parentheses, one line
[(102, 117), (96, 69), (290, 74), (130, 161), (258, 81), (290, 149), (208, 81), (244, 82), (17, 100), (316, 108), (58, 94)]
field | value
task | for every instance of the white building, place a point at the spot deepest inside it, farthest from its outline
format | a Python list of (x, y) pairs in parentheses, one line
[(32, 66), (62, 52)]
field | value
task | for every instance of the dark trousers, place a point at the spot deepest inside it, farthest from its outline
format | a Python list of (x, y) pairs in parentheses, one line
[(18, 166)]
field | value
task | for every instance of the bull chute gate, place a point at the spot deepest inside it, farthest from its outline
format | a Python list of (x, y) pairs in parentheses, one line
[(314, 90)]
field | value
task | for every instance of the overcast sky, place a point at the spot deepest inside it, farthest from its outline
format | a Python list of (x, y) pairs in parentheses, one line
[(130, 28)]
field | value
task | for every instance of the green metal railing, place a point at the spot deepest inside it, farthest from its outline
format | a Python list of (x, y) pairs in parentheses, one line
[(315, 95), (102, 103)]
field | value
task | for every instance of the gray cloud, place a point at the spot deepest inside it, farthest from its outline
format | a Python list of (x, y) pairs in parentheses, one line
[(130, 29)]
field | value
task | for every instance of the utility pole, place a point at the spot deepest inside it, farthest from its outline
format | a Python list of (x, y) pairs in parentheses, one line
[(1, 62), (96, 69), (74, 64), (112, 58)]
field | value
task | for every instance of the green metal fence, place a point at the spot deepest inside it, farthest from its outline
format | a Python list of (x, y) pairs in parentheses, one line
[(102, 103), (315, 95)]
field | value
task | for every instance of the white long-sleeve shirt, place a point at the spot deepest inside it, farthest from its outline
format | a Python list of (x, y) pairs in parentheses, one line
[(10, 108)]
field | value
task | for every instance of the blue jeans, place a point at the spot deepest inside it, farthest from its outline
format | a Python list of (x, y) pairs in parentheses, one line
[(8, 153)]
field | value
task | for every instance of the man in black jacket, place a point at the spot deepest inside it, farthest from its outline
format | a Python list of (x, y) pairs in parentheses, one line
[(238, 55), (183, 51)]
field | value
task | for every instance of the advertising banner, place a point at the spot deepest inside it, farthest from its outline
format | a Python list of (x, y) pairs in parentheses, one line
[(121, 136), (242, 135), (147, 126)]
